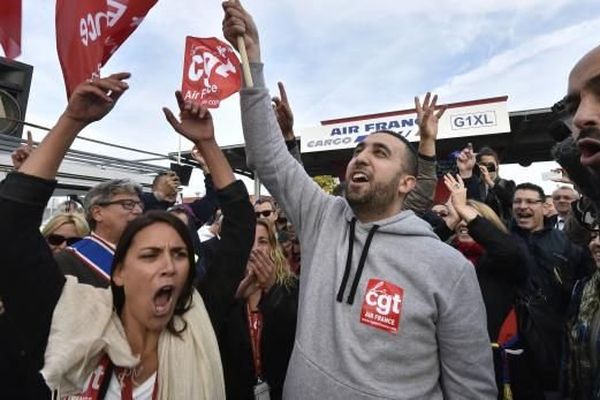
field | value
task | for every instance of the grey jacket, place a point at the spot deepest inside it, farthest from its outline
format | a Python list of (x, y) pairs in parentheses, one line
[(407, 321)]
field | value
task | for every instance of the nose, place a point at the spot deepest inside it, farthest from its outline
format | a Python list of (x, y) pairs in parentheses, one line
[(587, 114), (168, 265), (137, 209)]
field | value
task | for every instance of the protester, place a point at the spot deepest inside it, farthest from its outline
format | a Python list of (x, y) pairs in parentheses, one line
[(582, 378), (578, 154), (64, 229), (562, 199), (554, 264), (147, 334), (549, 209), (501, 271), (165, 187), (109, 207), (264, 207), (411, 319), (258, 336), (480, 173)]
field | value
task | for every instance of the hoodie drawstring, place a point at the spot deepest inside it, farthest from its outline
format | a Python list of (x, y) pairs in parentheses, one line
[(361, 264), (340, 295)]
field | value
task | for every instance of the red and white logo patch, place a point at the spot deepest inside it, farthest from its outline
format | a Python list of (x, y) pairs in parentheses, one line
[(382, 305)]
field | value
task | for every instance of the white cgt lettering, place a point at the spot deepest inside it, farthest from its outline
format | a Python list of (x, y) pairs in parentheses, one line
[(90, 26), (384, 302)]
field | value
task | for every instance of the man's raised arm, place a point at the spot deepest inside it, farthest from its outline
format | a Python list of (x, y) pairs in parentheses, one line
[(266, 151)]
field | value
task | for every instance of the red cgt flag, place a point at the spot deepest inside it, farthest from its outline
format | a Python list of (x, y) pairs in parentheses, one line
[(88, 32), (211, 71), (10, 27)]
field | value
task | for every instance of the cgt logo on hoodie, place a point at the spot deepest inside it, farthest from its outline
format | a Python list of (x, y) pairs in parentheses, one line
[(382, 305)]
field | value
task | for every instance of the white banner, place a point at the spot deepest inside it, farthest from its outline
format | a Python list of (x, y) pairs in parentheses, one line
[(480, 117)]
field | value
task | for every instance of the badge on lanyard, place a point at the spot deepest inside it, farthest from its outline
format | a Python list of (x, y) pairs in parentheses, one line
[(262, 391)]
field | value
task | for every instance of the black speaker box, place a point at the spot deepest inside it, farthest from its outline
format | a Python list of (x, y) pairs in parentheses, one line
[(15, 82)]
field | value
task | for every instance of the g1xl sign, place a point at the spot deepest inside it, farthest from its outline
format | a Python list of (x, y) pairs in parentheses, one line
[(479, 117)]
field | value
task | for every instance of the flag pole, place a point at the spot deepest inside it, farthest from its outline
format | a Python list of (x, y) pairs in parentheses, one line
[(245, 65)]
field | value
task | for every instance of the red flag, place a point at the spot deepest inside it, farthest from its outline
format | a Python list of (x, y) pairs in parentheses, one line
[(89, 32), (211, 71), (10, 27)]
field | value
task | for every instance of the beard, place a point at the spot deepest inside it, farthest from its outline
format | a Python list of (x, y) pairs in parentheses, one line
[(377, 197)]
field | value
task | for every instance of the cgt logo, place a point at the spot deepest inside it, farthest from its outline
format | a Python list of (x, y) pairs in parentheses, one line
[(382, 305)]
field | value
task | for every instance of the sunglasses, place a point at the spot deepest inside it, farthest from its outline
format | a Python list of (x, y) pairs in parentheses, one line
[(57, 240), (264, 214)]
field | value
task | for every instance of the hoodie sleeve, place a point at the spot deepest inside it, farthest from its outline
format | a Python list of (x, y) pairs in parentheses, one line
[(466, 366), (420, 199), (266, 152)]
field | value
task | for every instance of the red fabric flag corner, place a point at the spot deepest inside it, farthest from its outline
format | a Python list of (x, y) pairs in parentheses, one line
[(10, 27), (89, 32), (211, 71)]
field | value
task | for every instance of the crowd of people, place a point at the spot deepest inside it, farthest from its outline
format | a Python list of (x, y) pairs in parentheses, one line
[(370, 293)]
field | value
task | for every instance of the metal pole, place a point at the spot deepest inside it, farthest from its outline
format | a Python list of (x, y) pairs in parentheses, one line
[(256, 187)]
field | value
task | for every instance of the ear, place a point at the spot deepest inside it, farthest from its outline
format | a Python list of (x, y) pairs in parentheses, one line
[(406, 183), (96, 213), (118, 278)]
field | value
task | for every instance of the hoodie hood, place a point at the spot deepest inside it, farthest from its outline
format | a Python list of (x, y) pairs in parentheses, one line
[(403, 223)]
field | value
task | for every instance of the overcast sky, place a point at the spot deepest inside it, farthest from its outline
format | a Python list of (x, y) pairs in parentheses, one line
[(338, 58)]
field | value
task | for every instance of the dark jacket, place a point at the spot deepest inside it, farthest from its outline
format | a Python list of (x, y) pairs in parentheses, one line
[(554, 264), (279, 309), (499, 198), (31, 282), (500, 271)]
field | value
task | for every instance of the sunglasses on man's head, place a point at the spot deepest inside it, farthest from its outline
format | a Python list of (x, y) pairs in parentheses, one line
[(264, 214), (57, 240)]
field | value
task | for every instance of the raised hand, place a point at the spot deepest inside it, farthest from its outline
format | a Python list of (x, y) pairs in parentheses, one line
[(248, 286), (196, 155), (428, 118), (22, 153), (94, 98), (465, 162), (485, 174), (237, 22), (284, 114), (458, 197), (263, 268), (172, 184), (196, 122)]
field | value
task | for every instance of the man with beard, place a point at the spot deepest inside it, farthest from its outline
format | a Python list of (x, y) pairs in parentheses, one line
[(385, 308), (579, 154), (553, 265)]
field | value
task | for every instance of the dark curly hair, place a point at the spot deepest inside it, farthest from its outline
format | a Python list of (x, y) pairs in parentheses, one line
[(184, 301)]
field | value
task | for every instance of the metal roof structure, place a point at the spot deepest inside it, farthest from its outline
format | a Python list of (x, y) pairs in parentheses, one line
[(528, 141), (81, 170)]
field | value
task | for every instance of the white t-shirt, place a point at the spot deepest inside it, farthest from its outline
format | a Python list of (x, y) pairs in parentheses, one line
[(142, 392)]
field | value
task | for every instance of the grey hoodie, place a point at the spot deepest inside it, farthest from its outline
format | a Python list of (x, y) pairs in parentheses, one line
[(415, 326)]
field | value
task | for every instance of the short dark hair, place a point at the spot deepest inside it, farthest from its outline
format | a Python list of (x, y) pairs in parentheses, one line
[(409, 161), (184, 302), (487, 151), (159, 176), (532, 187), (262, 200)]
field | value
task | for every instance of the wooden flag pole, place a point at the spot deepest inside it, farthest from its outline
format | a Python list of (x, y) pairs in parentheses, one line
[(245, 65)]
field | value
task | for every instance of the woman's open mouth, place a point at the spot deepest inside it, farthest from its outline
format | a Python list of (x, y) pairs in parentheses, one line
[(163, 299)]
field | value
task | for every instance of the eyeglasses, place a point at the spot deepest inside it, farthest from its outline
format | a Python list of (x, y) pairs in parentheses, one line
[(57, 240), (129, 205), (264, 214), (527, 202)]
